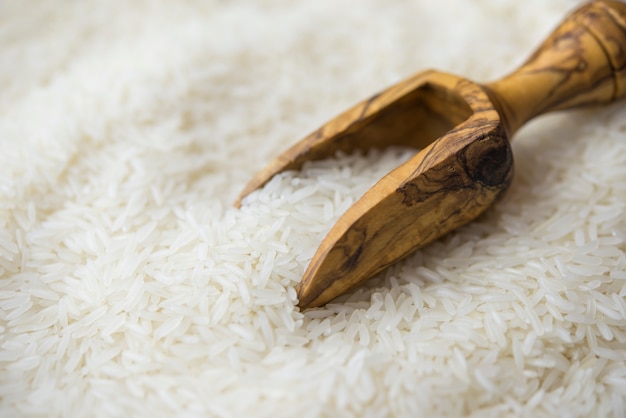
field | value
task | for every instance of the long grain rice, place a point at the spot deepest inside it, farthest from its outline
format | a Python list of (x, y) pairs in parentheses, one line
[(130, 286)]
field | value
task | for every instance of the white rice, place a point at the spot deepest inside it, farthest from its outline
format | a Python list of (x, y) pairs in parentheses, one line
[(131, 287)]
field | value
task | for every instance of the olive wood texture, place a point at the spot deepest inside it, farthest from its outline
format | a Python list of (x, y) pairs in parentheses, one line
[(463, 130)]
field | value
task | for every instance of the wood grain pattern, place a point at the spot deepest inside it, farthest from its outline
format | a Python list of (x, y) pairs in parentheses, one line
[(445, 185), (463, 130), (582, 63)]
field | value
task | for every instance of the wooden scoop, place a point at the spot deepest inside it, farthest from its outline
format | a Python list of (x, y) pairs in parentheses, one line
[(463, 130)]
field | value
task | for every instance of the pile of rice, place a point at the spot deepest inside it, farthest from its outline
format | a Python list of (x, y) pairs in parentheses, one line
[(130, 286)]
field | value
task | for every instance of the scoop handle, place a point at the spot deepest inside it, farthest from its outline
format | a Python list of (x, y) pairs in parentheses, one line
[(582, 63)]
